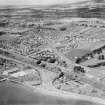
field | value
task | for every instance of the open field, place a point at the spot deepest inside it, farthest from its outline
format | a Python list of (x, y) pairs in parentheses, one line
[(13, 93)]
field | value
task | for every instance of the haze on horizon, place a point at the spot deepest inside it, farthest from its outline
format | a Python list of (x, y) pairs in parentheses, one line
[(36, 2)]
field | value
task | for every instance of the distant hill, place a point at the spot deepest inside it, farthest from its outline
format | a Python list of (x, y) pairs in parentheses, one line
[(85, 9)]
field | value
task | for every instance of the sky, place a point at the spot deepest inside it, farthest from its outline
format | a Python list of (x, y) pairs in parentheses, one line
[(36, 2)]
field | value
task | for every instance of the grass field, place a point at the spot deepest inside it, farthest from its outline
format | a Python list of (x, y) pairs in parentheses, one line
[(12, 93)]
